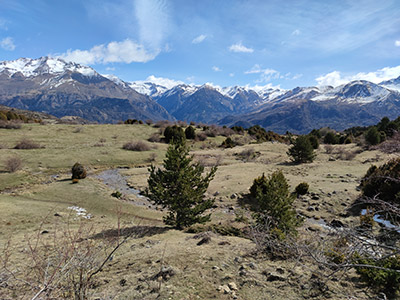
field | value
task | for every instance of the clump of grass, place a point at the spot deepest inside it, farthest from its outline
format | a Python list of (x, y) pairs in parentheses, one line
[(152, 157), (155, 138), (345, 155), (328, 149), (248, 154), (27, 144), (136, 146), (78, 129), (13, 164)]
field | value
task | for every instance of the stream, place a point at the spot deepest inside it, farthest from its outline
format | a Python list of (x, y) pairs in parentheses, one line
[(117, 182)]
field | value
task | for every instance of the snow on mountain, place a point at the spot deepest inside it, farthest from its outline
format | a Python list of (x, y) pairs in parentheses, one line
[(393, 84), (358, 91), (44, 65)]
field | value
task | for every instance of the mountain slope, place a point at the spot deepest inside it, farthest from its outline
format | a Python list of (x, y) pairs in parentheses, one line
[(60, 88)]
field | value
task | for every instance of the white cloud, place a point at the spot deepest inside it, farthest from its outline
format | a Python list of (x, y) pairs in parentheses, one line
[(154, 22), (397, 43), (240, 48), (3, 24), (257, 88), (265, 74), (216, 69), (199, 39), (7, 44), (335, 78), (168, 83), (296, 32), (231, 74), (110, 69), (126, 51)]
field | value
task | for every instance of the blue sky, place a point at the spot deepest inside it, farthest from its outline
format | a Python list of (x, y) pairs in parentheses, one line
[(224, 42)]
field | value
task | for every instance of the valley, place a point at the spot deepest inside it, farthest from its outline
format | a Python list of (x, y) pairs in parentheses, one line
[(39, 202)]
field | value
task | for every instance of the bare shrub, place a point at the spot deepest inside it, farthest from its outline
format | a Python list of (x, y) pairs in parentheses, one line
[(61, 265), (328, 149), (136, 146), (155, 138), (244, 140), (2, 146), (78, 129), (10, 125), (27, 144), (162, 124), (346, 155), (391, 145), (182, 123), (200, 136), (209, 160), (13, 164), (152, 158), (215, 130), (102, 140), (248, 154)]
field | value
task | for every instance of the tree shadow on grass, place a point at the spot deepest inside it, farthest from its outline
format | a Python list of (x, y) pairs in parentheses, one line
[(247, 201), (135, 232)]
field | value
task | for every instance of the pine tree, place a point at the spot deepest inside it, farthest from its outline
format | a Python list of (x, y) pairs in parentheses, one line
[(275, 203), (302, 151), (180, 187)]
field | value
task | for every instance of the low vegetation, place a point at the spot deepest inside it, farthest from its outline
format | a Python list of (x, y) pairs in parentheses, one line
[(180, 187), (297, 234)]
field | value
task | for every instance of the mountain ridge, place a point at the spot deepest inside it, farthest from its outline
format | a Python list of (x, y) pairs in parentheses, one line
[(61, 88)]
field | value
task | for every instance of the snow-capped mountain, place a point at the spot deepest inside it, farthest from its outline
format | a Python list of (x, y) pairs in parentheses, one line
[(393, 84), (337, 107), (44, 65), (61, 88)]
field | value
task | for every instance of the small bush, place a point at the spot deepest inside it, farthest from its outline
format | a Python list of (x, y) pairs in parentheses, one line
[(201, 137), (345, 155), (75, 180), (302, 188), (302, 151), (117, 194), (27, 144), (78, 129), (154, 138), (331, 138), (248, 154), (372, 136), (136, 146), (174, 133), (328, 149), (10, 125), (382, 275), (228, 143), (152, 157), (275, 205), (314, 141), (190, 133), (78, 171), (13, 164), (383, 181)]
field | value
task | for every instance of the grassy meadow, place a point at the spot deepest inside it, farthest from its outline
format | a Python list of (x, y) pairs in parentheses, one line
[(36, 201)]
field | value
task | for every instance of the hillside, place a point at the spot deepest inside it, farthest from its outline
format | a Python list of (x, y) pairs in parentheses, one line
[(40, 202)]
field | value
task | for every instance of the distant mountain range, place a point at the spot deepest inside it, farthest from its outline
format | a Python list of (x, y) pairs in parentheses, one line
[(60, 88), (357, 103)]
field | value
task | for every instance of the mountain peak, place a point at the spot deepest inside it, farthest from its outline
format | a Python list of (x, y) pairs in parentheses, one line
[(43, 65)]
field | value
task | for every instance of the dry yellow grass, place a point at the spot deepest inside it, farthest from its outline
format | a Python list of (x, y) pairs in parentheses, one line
[(29, 199)]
